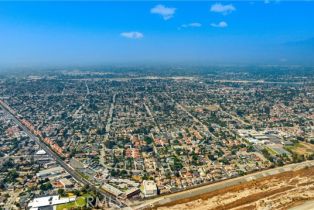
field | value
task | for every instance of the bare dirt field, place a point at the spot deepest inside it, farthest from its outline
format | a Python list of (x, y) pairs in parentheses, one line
[(282, 191)]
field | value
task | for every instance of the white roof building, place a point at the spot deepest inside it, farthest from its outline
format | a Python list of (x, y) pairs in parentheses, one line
[(47, 201), (41, 152), (50, 172), (149, 188)]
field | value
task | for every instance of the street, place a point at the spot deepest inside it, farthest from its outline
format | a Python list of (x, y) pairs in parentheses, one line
[(66, 167)]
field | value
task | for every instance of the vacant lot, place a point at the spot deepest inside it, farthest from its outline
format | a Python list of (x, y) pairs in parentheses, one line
[(281, 191)]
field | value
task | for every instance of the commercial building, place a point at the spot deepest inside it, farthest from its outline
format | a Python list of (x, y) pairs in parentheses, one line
[(48, 201), (149, 188), (50, 172)]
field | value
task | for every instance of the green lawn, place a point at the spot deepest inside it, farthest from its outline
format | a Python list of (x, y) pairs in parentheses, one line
[(80, 202), (271, 151)]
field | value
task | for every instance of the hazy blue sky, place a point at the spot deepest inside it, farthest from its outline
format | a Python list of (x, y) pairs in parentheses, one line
[(265, 32)]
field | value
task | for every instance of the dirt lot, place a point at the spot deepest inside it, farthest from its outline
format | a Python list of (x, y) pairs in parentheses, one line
[(282, 191)]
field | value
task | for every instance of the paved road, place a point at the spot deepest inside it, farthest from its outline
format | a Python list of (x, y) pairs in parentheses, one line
[(157, 128), (220, 185), (236, 118), (66, 167), (192, 116), (107, 127), (258, 81), (87, 89), (25, 157)]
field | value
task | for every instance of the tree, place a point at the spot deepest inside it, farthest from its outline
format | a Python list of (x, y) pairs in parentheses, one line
[(148, 139), (85, 189), (11, 177), (61, 192), (46, 186), (76, 192)]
